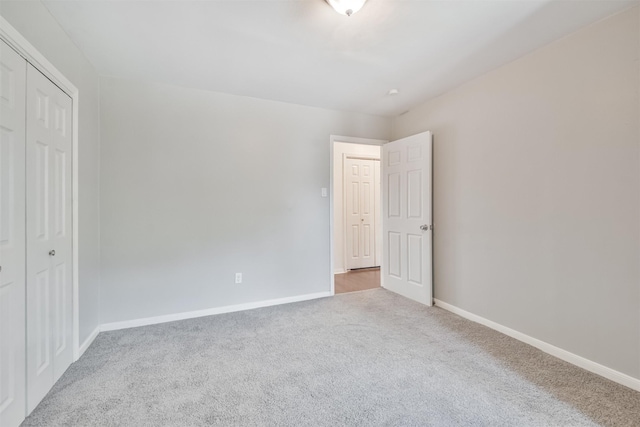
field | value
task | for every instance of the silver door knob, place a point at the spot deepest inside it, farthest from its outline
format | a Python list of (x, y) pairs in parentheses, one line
[(424, 227), (52, 253)]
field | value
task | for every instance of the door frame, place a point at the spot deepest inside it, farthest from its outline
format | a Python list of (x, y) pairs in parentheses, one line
[(15, 40), (332, 140), (346, 156)]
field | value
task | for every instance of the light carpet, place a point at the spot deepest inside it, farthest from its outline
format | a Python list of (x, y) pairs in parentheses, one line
[(362, 359)]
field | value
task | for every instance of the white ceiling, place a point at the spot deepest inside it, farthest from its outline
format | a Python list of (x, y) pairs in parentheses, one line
[(301, 51)]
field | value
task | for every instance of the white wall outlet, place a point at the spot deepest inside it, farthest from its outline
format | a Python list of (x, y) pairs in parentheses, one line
[(238, 277), (324, 192)]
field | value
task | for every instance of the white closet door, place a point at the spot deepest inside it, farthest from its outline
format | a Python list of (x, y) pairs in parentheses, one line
[(49, 243), (359, 178), (12, 237)]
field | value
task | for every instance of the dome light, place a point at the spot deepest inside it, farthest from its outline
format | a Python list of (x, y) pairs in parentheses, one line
[(346, 7)]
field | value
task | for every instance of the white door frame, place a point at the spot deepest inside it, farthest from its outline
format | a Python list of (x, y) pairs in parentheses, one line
[(346, 156), (25, 49), (332, 140)]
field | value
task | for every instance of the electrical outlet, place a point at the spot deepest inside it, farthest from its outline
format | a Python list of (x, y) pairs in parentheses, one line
[(238, 277)]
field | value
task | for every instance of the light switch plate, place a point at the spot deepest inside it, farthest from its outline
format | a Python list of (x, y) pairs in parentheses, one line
[(324, 192)]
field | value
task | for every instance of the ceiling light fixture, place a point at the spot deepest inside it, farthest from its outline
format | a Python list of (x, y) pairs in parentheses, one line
[(346, 7)]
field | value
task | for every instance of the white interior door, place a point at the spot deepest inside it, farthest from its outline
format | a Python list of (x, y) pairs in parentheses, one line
[(49, 243), (12, 236), (406, 217), (360, 233)]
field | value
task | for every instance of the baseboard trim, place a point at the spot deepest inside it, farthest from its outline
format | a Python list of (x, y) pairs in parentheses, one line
[(114, 326), (87, 343), (596, 368)]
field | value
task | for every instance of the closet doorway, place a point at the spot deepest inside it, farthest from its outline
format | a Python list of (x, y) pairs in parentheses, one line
[(356, 214), (38, 249)]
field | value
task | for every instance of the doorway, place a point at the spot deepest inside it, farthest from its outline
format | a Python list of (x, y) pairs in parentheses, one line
[(356, 214), (404, 254)]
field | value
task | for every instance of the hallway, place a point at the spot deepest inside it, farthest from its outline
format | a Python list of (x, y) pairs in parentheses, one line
[(357, 280)]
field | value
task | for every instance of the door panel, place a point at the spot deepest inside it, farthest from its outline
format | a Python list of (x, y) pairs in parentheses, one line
[(406, 194), (414, 194), (59, 309), (395, 255), (49, 246), (393, 200), (12, 231), (61, 208), (41, 334), (414, 258), (60, 193), (355, 238), (366, 241), (41, 206), (360, 212)]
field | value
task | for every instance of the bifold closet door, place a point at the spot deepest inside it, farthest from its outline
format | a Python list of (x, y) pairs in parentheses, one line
[(49, 242), (12, 236)]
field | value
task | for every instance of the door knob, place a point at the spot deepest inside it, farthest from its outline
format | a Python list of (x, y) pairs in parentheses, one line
[(424, 227), (52, 253)]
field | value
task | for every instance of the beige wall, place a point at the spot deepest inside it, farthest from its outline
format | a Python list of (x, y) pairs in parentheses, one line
[(37, 25), (537, 193)]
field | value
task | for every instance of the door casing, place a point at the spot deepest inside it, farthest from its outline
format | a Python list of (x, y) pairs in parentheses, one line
[(376, 210), (333, 139)]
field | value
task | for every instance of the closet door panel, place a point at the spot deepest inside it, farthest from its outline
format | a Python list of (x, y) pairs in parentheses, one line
[(39, 148), (49, 254), (12, 236), (61, 226)]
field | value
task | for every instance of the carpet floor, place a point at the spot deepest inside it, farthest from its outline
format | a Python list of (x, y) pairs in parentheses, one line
[(362, 359)]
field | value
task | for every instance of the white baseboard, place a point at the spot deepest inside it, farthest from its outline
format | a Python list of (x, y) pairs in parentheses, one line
[(596, 368), (208, 312), (85, 345), (340, 271)]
